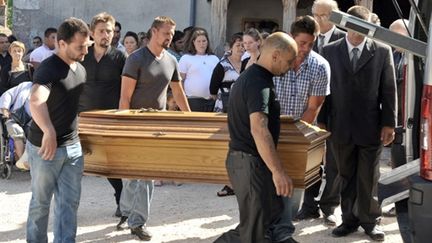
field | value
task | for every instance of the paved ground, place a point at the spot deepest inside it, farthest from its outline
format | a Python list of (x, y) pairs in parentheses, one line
[(180, 214)]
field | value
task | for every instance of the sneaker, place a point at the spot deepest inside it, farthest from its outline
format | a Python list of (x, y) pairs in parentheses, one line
[(376, 234), (142, 233), (121, 225), (330, 220)]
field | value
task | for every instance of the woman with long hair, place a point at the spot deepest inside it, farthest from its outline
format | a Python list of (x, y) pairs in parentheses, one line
[(196, 67), (252, 40)]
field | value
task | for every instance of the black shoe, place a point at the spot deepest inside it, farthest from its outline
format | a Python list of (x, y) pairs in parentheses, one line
[(120, 225), (289, 240), (307, 214), (118, 213), (375, 234), (142, 233), (344, 230)]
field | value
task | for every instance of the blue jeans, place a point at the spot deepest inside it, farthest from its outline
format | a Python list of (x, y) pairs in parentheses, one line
[(60, 177), (135, 201)]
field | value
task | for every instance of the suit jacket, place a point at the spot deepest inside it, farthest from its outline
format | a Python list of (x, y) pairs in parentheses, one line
[(362, 101), (336, 35)]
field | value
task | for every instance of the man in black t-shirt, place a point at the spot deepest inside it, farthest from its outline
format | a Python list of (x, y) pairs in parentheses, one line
[(253, 166), (104, 65), (53, 147)]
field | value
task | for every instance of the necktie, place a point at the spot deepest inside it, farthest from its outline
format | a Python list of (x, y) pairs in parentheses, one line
[(320, 43), (354, 58)]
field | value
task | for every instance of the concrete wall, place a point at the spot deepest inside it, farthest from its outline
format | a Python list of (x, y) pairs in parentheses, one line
[(32, 17)]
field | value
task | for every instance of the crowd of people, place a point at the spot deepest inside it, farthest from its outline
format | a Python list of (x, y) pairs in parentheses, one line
[(340, 81)]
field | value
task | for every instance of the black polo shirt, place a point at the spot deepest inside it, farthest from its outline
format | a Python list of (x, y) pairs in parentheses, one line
[(252, 92), (103, 84)]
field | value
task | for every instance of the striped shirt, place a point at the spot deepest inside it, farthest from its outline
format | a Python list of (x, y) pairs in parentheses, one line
[(294, 88)]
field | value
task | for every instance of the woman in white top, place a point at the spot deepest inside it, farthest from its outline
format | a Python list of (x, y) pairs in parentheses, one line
[(196, 67)]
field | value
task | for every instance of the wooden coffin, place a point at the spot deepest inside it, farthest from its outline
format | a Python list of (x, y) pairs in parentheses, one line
[(184, 146)]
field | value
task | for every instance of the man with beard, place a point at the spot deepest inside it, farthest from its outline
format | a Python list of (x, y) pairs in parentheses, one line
[(146, 76), (53, 147), (116, 38), (104, 65)]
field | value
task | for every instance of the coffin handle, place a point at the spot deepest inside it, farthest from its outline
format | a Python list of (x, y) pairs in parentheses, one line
[(86, 150), (157, 134)]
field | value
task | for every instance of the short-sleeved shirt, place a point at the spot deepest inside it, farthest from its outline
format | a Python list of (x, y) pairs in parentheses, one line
[(252, 92), (103, 84), (198, 70), (294, 88), (41, 53), (153, 77), (65, 87)]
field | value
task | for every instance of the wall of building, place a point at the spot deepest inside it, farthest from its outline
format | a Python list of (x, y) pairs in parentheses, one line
[(239, 11), (32, 17), (203, 14)]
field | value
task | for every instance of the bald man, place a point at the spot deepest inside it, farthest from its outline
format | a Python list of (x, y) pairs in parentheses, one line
[(253, 166), (397, 149)]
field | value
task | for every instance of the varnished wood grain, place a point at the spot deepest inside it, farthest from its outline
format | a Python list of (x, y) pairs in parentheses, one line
[(189, 146)]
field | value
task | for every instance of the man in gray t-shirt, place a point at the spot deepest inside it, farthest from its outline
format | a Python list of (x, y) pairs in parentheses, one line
[(152, 77), (145, 79)]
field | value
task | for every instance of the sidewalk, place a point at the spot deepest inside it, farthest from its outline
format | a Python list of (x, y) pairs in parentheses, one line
[(189, 213)]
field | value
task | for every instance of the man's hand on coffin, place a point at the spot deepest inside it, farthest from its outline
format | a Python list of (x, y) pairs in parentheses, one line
[(49, 145), (283, 184)]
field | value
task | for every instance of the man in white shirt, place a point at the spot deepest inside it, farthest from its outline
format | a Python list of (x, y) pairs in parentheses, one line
[(116, 38), (46, 50)]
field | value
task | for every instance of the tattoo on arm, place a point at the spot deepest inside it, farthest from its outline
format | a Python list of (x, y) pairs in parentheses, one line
[(268, 139)]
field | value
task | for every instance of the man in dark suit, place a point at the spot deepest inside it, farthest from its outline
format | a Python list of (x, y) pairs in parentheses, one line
[(361, 117), (330, 198), (321, 10)]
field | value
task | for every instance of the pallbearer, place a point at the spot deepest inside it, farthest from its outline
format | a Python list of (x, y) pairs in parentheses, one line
[(53, 147), (253, 166)]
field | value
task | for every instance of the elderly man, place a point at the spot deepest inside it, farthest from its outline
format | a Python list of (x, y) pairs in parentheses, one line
[(361, 116)]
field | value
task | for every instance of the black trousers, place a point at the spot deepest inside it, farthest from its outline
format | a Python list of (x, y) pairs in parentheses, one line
[(330, 197), (358, 174), (258, 203), (117, 184), (201, 104)]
